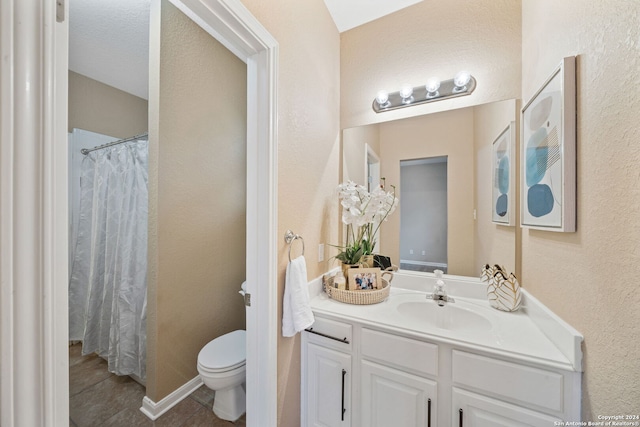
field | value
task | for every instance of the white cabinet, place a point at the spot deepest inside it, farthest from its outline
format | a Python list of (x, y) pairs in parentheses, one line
[(360, 376), (474, 410), (394, 398), (329, 382)]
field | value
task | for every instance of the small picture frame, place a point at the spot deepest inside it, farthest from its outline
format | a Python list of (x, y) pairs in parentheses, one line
[(363, 279)]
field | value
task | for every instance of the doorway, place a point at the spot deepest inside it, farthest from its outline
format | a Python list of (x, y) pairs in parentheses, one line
[(36, 375), (423, 216)]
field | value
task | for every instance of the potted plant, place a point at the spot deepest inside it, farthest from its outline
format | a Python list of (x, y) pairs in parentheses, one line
[(363, 212)]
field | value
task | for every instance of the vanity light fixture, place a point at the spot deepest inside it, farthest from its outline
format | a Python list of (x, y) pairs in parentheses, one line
[(434, 90)]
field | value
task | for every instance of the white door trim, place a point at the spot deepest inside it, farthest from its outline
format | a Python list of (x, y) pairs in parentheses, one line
[(229, 22), (34, 389)]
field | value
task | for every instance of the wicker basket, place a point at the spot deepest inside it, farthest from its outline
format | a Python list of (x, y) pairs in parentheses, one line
[(373, 296)]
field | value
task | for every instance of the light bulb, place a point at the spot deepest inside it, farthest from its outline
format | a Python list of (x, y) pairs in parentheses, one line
[(432, 87), (406, 93), (461, 79), (382, 97)]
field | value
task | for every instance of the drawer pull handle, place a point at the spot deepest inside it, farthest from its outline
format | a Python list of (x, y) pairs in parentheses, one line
[(460, 423), (343, 340), (428, 412), (343, 410)]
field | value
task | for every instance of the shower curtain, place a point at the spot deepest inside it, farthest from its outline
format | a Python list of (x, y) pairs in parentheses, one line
[(108, 283)]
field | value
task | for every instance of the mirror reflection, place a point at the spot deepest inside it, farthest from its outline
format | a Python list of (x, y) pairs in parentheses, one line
[(441, 166)]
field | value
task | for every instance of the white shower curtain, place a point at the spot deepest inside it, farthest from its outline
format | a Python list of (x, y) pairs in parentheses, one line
[(108, 284)]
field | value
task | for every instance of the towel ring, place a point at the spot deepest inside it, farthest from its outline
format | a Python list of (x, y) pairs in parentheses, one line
[(290, 237)]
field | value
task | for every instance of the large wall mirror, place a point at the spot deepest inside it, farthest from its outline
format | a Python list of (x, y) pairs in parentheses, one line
[(441, 165)]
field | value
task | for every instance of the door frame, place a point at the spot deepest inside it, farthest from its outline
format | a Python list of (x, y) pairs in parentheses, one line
[(229, 22), (34, 210)]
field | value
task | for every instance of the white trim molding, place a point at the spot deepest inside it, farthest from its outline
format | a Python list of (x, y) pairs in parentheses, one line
[(154, 410), (33, 215)]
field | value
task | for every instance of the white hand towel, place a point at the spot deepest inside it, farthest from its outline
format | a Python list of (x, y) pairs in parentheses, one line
[(296, 309)]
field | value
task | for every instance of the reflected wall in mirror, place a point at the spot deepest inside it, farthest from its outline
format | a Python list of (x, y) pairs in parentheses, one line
[(464, 137)]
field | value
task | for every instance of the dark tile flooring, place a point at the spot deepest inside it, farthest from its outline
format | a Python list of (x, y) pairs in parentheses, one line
[(98, 398)]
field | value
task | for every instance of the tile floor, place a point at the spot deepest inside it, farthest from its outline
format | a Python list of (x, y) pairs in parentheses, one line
[(99, 398)]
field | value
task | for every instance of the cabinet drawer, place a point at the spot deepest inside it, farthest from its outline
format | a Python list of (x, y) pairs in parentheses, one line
[(330, 333), (524, 385), (400, 352)]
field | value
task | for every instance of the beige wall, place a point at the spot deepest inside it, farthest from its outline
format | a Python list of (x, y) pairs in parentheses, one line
[(100, 108), (494, 244), (354, 151), (431, 39), (197, 177), (442, 134), (308, 152), (589, 278)]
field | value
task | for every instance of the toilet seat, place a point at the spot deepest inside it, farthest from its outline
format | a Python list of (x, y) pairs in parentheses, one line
[(225, 353)]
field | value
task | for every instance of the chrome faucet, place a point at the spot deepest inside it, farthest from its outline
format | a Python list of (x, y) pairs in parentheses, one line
[(439, 295)]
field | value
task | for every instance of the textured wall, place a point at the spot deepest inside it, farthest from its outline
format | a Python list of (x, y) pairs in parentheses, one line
[(431, 39), (96, 107), (442, 134), (197, 197), (494, 244), (589, 278), (354, 151), (308, 152)]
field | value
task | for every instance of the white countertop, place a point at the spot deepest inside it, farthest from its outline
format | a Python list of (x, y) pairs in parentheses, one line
[(516, 335)]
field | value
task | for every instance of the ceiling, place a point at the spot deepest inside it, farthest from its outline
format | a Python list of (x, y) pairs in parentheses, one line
[(109, 42), (348, 14), (109, 39)]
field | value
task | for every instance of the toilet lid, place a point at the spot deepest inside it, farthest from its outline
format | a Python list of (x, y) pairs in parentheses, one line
[(225, 351)]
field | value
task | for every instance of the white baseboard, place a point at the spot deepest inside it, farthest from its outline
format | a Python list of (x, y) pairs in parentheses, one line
[(154, 410), (423, 263)]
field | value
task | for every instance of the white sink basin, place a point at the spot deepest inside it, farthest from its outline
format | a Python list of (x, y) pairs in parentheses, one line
[(449, 317)]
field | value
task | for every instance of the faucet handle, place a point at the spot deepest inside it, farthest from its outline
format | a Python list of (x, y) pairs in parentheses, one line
[(438, 273)]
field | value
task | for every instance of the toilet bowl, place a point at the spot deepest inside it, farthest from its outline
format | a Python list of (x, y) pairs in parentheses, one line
[(221, 365)]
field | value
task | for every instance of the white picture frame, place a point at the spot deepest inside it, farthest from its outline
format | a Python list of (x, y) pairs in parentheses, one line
[(548, 154), (503, 177)]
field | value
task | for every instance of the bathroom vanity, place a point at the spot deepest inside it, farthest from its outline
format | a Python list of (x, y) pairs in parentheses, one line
[(407, 362)]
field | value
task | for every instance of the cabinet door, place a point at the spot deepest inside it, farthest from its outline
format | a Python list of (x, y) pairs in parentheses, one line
[(328, 387), (395, 398), (482, 411)]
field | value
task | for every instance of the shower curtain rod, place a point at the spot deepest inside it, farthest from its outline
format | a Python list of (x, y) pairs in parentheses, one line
[(86, 151)]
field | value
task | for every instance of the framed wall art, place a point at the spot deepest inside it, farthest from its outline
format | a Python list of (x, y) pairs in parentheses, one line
[(503, 165), (548, 153)]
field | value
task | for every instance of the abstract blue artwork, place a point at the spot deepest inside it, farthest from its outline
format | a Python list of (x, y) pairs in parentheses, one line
[(503, 177), (548, 153)]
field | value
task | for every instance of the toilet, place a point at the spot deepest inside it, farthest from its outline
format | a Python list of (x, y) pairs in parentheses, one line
[(221, 365)]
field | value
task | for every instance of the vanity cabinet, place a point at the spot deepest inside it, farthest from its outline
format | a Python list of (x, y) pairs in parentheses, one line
[(395, 398), (327, 374), (329, 387), (503, 393), (397, 380), (357, 375), (475, 410)]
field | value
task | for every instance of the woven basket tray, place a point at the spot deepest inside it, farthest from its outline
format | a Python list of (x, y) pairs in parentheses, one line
[(363, 297)]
